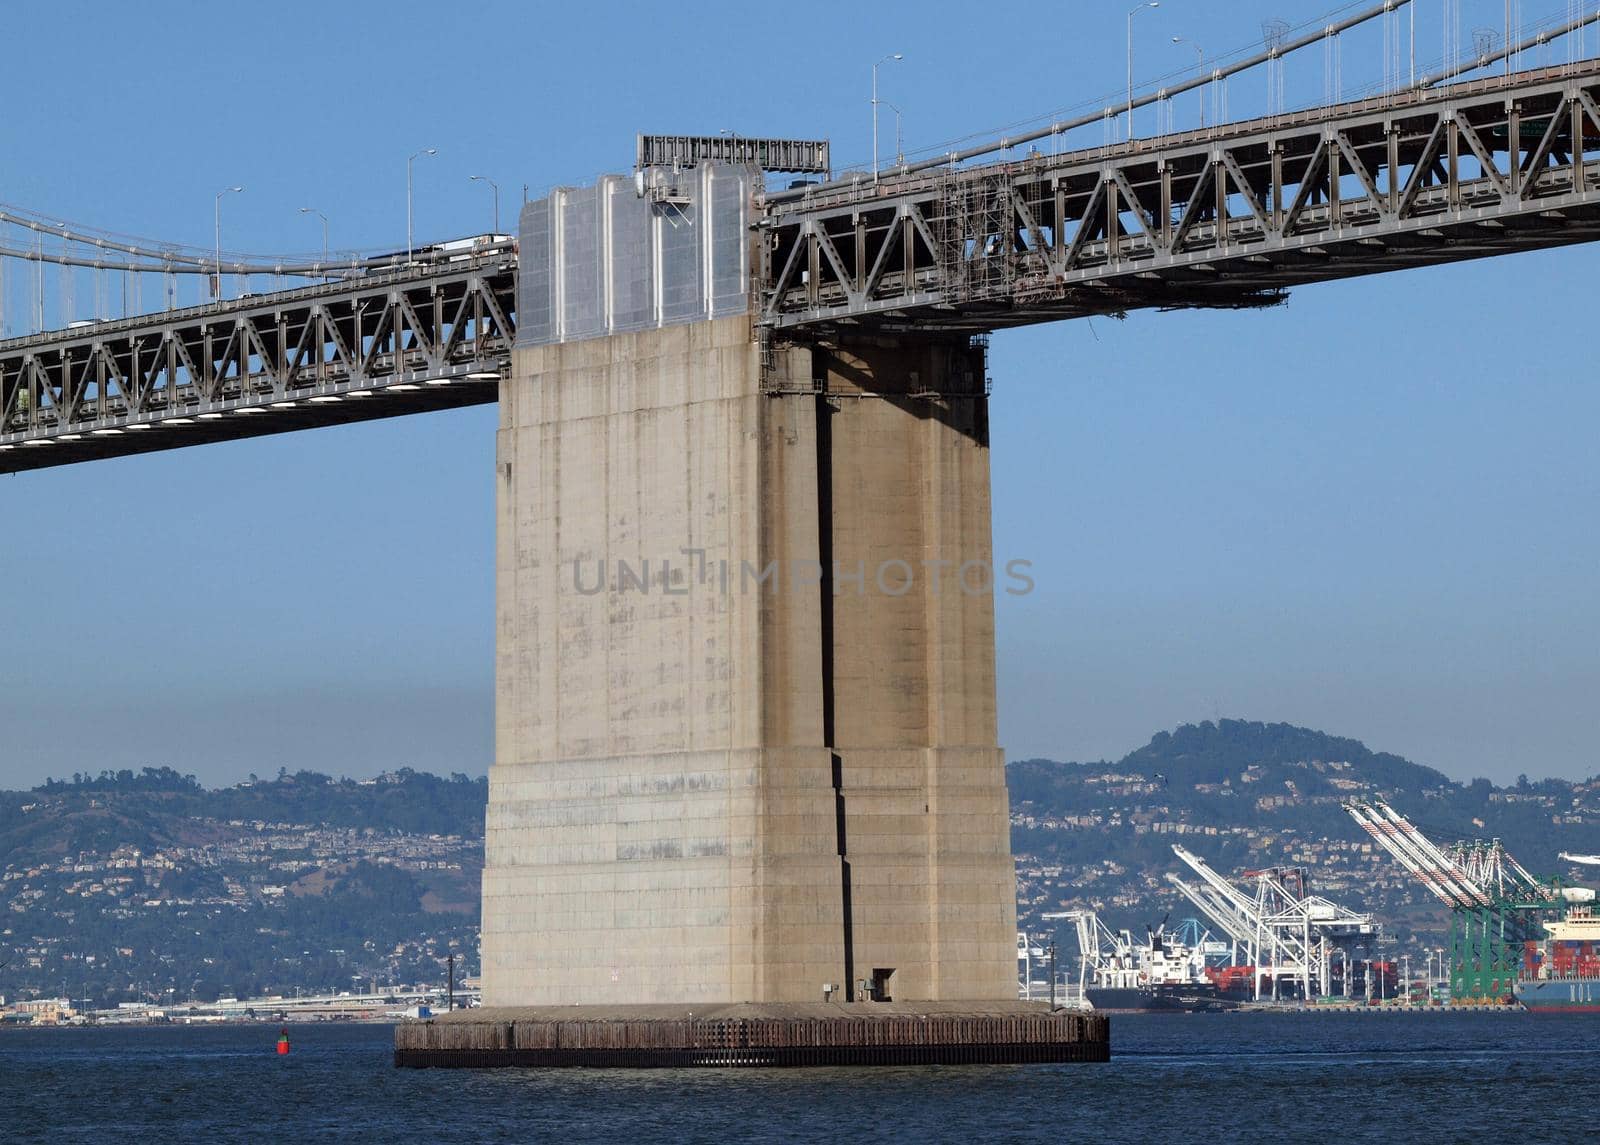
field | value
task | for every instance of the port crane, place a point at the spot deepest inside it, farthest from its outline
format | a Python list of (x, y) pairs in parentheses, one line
[(1028, 953), (1495, 903), (1193, 933), (1280, 928)]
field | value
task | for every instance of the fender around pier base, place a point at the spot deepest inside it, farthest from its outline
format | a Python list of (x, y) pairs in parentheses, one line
[(658, 1037)]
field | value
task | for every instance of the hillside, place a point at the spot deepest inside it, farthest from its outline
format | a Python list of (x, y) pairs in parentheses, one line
[(145, 886), (1247, 795), (127, 886), (1216, 752)]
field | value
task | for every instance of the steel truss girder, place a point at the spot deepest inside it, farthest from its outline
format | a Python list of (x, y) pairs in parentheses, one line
[(1229, 217), (421, 338)]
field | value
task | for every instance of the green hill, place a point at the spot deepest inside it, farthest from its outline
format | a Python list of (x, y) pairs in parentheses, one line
[(1211, 752), (141, 885), (146, 886), (1246, 795)]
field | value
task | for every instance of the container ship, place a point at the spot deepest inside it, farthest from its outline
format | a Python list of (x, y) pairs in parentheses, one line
[(1562, 973)]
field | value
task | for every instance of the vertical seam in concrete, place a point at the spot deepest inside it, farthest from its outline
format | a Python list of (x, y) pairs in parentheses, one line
[(824, 437), (825, 559)]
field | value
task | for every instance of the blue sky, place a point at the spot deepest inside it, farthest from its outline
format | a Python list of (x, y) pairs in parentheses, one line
[(1369, 511)]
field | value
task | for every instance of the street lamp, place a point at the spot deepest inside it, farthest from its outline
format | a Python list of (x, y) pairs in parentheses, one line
[(324, 218), (496, 187), (224, 191), (899, 145), (1200, 60), (886, 59), (415, 155), (1131, 15)]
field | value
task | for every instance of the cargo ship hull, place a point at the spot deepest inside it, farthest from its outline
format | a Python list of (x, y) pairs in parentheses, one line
[(1157, 999), (1562, 974), (1559, 995)]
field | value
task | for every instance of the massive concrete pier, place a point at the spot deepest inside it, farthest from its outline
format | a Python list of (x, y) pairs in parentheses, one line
[(746, 746), (746, 750)]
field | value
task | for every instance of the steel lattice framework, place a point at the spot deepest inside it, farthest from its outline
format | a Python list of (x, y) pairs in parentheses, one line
[(1233, 216), (1230, 217), (405, 340), (1288, 934)]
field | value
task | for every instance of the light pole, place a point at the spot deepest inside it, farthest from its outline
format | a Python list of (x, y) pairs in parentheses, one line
[(324, 218), (1131, 15), (899, 145), (875, 67), (415, 155), (224, 191), (496, 188), (1200, 60)]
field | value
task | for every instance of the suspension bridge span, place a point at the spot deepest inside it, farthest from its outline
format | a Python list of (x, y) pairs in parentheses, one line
[(746, 745), (1231, 216)]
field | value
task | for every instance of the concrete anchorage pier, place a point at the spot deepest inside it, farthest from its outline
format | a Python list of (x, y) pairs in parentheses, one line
[(747, 793)]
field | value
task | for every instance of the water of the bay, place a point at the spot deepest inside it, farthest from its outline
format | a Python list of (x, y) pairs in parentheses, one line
[(1176, 1078)]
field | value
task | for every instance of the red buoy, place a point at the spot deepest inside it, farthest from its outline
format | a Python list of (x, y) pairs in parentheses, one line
[(283, 1040)]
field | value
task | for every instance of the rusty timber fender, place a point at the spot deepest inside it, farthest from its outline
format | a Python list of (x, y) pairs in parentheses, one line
[(854, 1038)]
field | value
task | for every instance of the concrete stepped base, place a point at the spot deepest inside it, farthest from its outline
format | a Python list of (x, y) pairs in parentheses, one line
[(748, 1035)]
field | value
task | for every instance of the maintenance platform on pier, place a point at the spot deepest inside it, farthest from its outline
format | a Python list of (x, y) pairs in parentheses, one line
[(786, 1034)]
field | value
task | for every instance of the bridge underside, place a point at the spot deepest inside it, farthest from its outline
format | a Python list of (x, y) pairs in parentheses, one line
[(1230, 217)]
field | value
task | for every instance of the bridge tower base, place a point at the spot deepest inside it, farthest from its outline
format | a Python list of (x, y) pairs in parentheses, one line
[(745, 712)]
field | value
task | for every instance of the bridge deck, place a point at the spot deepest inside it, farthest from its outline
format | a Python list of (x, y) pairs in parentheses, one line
[(414, 339), (1231, 216)]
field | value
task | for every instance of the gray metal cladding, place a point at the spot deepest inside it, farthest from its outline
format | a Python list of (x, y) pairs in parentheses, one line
[(665, 247), (536, 322)]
